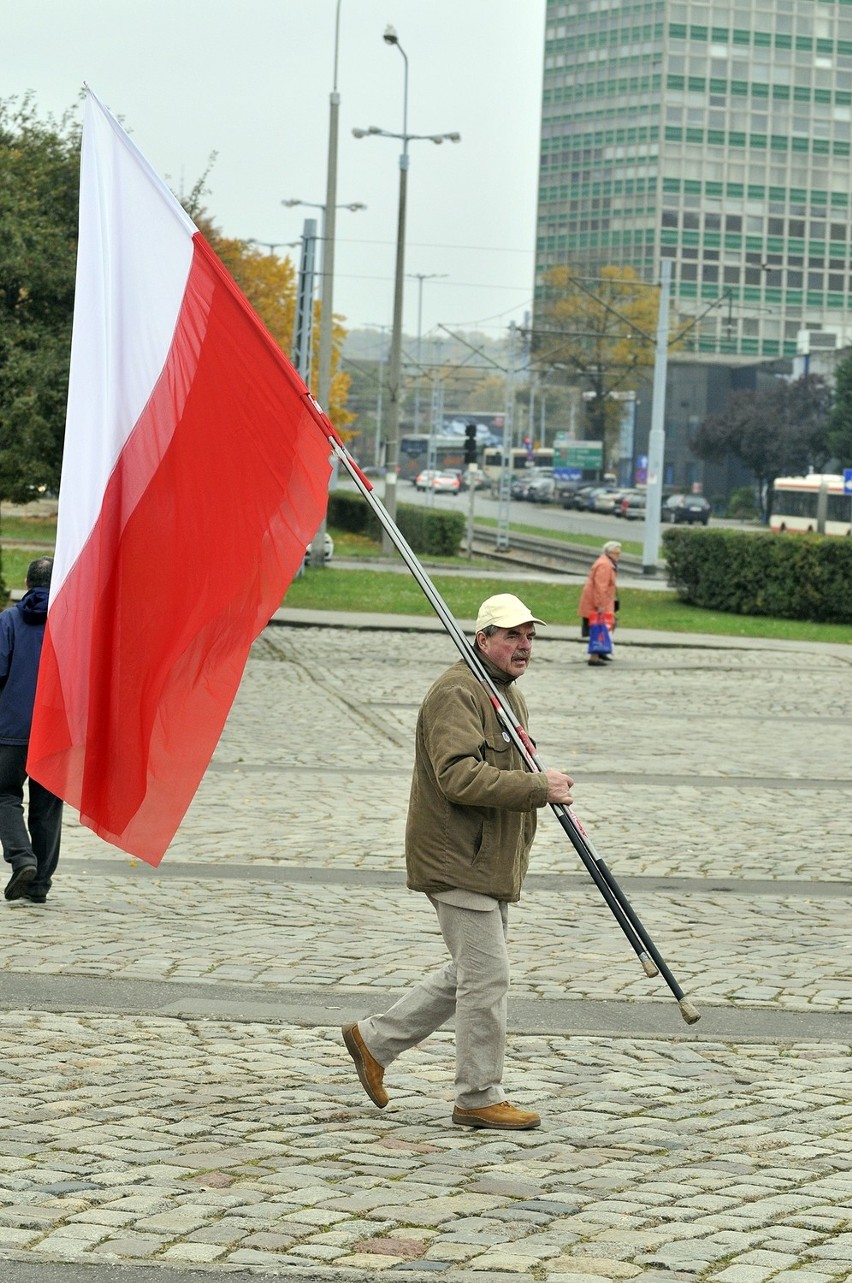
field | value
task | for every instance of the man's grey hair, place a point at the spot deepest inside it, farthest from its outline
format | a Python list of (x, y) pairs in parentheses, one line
[(39, 572)]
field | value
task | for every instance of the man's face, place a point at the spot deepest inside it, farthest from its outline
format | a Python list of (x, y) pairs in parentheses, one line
[(509, 648)]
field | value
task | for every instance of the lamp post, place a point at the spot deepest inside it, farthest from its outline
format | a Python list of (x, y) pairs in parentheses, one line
[(327, 286), (272, 246), (394, 371)]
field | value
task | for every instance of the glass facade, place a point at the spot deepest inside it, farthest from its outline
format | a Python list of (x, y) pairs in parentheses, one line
[(714, 133)]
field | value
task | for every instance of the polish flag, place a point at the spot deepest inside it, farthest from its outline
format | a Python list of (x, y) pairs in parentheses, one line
[(195, 472)]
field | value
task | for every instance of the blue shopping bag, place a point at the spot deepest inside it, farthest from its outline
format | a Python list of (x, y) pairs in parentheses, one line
[(600, 639)]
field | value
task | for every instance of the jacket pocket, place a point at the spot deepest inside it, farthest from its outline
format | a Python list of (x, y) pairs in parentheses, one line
[(496, 751)]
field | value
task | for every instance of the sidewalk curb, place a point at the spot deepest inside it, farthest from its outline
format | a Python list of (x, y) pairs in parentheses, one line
[(292, 617)]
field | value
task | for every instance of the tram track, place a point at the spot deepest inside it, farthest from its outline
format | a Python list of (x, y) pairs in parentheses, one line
[(534, 552)]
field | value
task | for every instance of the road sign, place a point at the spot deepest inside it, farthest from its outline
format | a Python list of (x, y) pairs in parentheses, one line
[(847, 480), (578, 454)]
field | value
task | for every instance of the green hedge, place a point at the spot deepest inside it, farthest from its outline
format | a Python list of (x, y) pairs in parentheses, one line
[(425, 530), (786, 576)]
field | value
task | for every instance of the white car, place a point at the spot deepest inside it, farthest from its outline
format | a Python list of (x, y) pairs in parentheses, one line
[(446, 483), (328, 550)]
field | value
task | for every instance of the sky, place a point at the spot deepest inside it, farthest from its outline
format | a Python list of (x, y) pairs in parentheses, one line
[(251, 82)]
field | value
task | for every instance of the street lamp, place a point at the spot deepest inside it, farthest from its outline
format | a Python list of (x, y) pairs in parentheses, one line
[(272, 246), (289, 204), (326, 275), (394, 371)]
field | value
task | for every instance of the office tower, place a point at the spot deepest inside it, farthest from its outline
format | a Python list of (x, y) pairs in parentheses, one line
[(715, 133)]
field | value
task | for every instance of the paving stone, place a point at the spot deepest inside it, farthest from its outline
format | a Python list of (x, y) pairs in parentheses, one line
[(222, 1142)]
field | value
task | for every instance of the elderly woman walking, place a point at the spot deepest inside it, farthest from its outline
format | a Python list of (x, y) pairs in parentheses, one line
[(598, 595)]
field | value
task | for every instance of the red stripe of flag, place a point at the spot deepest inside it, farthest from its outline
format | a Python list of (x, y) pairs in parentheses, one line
[(204, 519)]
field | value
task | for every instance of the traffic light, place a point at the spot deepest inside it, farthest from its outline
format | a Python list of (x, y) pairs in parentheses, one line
[(470, 443)]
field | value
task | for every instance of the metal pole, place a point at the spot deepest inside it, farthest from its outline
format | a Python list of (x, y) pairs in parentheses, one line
[(379, 398), (420, 280), (504, 485), (305, 302), (326, 334), (657, 436), (395, 367)]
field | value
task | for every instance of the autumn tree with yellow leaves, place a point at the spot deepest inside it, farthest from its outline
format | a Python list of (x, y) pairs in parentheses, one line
[(597, 333)]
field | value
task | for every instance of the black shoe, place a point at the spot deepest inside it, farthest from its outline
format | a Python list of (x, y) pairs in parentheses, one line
[(35, 897), (21, 877)]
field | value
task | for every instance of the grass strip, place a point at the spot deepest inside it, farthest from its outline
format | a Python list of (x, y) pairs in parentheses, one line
[(380, 592)]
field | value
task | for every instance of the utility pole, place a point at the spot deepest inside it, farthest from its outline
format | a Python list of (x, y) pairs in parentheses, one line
[(303, 331), (327, 283), (504, 485), (657, 437)]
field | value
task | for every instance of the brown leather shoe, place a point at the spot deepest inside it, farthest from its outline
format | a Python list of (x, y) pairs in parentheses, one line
[(370, 1071), (502, 1115)]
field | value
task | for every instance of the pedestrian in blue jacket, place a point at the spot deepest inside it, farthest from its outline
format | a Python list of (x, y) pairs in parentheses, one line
[(31, 846)]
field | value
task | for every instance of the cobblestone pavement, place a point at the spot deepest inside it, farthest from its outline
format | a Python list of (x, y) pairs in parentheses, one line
[(176, 1092)]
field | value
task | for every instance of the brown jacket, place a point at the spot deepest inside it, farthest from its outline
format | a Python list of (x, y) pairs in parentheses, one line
[(472, 810)]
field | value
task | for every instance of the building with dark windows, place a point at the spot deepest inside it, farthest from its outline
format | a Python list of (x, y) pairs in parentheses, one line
[(716, 134)]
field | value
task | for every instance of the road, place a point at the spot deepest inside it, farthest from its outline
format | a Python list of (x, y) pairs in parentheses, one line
[(545, 516)]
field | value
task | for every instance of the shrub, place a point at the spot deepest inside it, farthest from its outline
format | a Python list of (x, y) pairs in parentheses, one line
[(742, 505), (424, 529), (785, 576)]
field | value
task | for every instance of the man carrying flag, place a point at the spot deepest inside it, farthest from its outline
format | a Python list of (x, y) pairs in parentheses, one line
[(471, 822)]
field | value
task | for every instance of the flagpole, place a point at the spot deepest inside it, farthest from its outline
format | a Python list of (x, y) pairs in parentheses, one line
[(635, 933)]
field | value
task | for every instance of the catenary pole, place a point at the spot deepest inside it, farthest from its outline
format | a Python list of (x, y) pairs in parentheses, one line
[(657, 435), (326, 335)]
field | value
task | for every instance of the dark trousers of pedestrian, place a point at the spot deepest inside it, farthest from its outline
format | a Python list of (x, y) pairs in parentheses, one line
[(36, 837)]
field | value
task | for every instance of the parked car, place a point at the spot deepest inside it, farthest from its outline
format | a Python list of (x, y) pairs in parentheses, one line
[(328, 550), (578, 498), (446, 483), (479, 479), (608, 500), (633, 506), (541, 490), (690, 508), (565, 490), (621, 497), (599, 494)]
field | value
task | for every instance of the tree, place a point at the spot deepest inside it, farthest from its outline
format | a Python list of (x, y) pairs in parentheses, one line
[(599, 334), (39, 177), (840, 420), (780, 430)]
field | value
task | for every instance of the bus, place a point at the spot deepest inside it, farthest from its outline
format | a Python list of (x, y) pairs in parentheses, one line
[(796, 505), (520, 459), (448, 452)]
